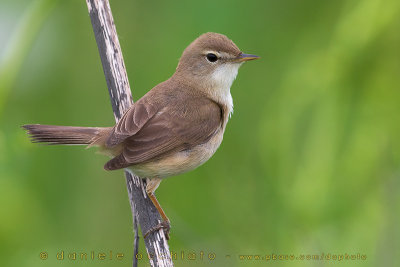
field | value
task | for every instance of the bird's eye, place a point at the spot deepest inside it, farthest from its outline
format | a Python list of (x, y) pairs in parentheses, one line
[(212, 57)]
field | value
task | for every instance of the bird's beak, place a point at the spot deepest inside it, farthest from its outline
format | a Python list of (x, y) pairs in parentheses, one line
[(246, 57)]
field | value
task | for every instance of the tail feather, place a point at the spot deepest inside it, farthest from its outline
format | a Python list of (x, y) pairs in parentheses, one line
[(62, 135)]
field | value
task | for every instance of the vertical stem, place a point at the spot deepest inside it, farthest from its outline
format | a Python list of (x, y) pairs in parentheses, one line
[(121, 99)]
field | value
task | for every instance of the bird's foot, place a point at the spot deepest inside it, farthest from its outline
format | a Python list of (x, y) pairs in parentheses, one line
[(165, 225)]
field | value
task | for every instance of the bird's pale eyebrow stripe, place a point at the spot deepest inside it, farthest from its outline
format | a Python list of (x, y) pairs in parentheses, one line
[(225, 55), (213, 52)]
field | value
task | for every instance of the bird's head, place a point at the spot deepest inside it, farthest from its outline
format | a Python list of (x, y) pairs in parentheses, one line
[(212, 60)]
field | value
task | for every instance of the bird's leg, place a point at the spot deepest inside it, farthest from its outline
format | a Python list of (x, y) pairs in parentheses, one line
[(151, 186)]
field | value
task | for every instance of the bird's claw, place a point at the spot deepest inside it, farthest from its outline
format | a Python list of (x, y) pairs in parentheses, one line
[(165, 225)]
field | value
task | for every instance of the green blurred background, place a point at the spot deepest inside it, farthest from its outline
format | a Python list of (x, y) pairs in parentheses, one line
[(310, 162)]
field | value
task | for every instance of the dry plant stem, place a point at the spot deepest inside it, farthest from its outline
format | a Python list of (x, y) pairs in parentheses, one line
[(118, 86)]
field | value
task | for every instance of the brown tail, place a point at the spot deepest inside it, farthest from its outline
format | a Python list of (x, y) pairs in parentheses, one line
[(62, 135)]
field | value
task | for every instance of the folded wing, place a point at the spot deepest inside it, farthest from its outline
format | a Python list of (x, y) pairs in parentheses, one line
[(156, 132)]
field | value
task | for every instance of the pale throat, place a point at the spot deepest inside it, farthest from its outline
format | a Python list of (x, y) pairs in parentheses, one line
[(221, 82)]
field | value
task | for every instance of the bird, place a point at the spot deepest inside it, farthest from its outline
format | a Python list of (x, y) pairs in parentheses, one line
[(175, 127)]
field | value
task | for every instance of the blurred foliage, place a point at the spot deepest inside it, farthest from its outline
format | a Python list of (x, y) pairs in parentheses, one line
[(310, 159)]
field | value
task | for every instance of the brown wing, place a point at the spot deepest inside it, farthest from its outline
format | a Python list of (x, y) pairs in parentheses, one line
[(182, 125), (132, 121)]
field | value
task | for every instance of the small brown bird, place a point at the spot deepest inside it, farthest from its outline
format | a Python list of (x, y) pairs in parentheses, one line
[(177, 126)]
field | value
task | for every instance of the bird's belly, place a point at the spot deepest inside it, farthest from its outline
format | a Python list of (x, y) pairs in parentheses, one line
[(179, 162)]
